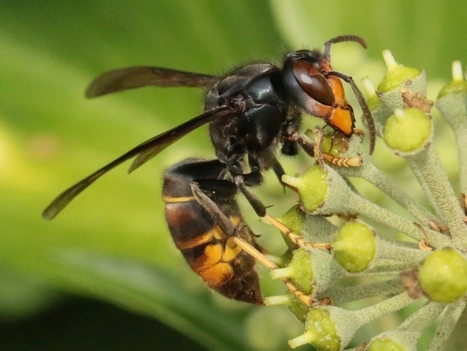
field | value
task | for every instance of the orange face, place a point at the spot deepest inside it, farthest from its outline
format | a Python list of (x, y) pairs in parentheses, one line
[(342, 117), (325, 95)]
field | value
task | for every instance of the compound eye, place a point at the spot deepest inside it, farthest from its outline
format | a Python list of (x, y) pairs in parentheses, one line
[(313, 82)]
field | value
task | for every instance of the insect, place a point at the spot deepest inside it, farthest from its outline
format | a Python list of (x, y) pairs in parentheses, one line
[(251, 112)]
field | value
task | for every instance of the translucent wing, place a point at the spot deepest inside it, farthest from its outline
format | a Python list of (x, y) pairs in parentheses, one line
[(136, 77), (146, 150)]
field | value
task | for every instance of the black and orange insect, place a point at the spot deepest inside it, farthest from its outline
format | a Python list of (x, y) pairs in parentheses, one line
[(207, 244), (251, 112), (207, 227)]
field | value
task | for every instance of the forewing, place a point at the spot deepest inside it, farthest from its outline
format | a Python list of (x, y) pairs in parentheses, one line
[(143, 151)]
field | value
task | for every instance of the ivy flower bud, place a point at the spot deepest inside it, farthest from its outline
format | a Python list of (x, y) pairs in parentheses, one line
[(443, 275), (293, 219), (300, 271), (312, 197), (396, 75), (393, 341), (408, 130), (312, 270), (355, 246), (458, 85), (320, 331), (399, 78)]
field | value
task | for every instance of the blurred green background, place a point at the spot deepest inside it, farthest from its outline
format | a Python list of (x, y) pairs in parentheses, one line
[(111, 246)]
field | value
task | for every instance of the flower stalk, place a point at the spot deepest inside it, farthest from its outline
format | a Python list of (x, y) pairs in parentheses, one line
[(323, 199), (452, 104), (428, 166), (447, 325)]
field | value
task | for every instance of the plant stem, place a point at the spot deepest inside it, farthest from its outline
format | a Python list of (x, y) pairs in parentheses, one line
[(428, 166), (447, 325)]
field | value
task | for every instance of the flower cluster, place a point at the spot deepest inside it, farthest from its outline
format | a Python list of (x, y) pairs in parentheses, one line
[(425, 264)]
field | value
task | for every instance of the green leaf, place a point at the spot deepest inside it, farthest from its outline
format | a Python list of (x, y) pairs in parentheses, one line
[(427, 35), (151, 290)]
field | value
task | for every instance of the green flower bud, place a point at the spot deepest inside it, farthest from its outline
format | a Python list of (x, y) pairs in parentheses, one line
[(408, 130), (311, 270), (397, 79), (320, 331), (443, 275), (313, 196), (303, 271), (452, 102), (396, 75), (396, 340), (386, 342), (455, 87), (355, 246), (328, 328), (458, 85), (318, 197), (293, 219)]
